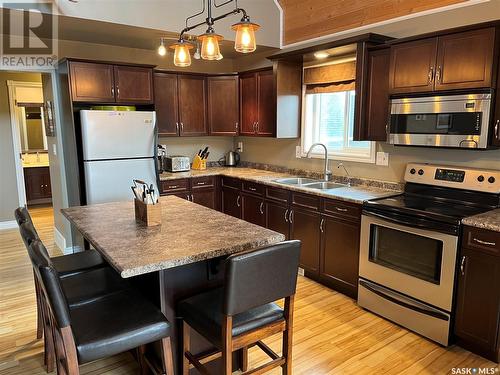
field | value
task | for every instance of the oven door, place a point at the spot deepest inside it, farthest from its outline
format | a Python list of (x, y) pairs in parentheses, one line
[(417, 262)]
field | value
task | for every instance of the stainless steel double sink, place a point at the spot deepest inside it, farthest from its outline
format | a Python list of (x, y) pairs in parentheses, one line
[(309, 183)]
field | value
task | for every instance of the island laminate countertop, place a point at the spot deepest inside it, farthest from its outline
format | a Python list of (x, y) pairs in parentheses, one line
[(189, 233)]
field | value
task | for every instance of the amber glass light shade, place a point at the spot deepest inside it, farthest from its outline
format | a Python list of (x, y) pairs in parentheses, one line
[(244, 41), (210, 49), (182, 57)]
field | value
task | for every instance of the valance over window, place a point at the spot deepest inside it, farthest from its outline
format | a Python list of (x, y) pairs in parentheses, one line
[(330, 78)]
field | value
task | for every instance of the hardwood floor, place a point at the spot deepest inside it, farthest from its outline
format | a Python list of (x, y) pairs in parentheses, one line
[(332, 335)]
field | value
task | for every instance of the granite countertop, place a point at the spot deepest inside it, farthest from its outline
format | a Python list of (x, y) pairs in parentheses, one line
[(359, 192), (488, 220), (189, 233)]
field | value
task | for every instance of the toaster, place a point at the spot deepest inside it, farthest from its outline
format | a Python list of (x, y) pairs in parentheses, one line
[(177, 163)]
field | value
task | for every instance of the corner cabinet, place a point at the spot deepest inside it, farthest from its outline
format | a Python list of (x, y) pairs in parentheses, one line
[(477, 321)]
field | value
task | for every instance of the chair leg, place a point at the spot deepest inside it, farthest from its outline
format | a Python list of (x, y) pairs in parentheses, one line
[(244, 359), (39, 310), (227, 345), (168, 362), (48, 341), (143, 366), (287, 336), (186, 343)]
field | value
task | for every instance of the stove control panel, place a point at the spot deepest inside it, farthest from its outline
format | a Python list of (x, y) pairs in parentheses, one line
[(485, 180)]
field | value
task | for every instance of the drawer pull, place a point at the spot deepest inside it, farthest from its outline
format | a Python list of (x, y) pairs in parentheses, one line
[(173, 186), (321, 225), (487, 243), (200, 183), (462, 265), (252, 189), (261, 208), (341, 209)]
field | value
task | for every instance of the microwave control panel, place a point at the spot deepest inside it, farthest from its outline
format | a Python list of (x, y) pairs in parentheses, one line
[(485, 180)]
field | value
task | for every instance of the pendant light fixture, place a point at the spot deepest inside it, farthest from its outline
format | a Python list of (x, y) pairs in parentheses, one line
[(210, 49), (162, 51)]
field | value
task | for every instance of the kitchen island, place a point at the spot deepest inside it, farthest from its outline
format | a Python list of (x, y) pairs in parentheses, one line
[(174, 260)]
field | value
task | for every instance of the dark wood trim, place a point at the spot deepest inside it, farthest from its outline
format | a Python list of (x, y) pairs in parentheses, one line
[(70, 59)]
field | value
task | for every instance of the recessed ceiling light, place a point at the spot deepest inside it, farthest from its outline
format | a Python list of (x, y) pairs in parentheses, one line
[(321, 54)]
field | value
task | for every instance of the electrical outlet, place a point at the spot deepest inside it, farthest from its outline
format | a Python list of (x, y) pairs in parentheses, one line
[(383, 158), (240, 146), (298, 151)]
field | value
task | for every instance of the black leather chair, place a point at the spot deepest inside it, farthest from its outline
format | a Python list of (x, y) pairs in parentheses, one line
[(101, 328), (242, 312)]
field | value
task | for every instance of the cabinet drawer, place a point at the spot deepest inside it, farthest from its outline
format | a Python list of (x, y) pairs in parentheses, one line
[(306, 201), (202, 182), (279, 195), (253, 187), (231, 182), (174, 185), (342, 209), (482, 239)]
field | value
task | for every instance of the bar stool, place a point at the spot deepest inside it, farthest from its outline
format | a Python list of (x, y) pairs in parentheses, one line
[(101, 328), (242, 312)]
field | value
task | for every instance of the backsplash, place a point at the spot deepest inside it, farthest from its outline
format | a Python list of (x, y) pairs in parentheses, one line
[(189, 146)]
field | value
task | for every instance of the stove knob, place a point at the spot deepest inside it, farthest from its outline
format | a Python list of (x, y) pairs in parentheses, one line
[(413, 171), (491, 179), (420, 172), (480, 178)]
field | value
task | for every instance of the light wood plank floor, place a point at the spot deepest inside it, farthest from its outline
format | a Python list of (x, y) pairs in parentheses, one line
[(332, 334)]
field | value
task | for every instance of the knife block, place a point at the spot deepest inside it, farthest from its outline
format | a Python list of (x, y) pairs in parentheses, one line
[(149, 214), (199, 163)]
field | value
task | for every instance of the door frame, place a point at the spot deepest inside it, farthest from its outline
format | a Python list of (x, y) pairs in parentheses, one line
[(16, 135)]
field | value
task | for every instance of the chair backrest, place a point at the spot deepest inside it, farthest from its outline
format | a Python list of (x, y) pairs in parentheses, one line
[(258, 277), (22, 215), (28, 233), (50, 283)]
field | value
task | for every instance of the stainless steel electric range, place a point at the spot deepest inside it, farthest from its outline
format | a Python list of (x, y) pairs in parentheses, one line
[(409, 245)]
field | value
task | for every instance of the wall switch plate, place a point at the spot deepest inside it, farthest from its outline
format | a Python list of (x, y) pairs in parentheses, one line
[(298, 151), (382, 158), (240, 146), (54, 149)]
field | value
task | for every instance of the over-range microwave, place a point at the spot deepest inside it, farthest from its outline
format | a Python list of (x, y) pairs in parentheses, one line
[(441, 121)]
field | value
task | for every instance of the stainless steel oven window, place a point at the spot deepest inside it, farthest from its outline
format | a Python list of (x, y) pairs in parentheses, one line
[(405, 252)]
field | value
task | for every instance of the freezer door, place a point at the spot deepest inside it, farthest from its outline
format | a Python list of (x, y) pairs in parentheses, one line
[(117, 134), (110, 180)]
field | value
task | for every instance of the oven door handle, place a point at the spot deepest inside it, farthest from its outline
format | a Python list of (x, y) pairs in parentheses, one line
[(419, 223), (415, 306)]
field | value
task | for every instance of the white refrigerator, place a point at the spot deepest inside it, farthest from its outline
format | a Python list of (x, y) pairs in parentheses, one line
[(118, 147)]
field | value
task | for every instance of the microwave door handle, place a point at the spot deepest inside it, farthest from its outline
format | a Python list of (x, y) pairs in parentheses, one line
[(403, 301), (407, 221)]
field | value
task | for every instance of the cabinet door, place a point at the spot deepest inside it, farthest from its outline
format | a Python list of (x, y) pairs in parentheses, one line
[(166, 104), (253, 209), (305, 227), (47, 192), (204, 197), (277, 218), (91, 82), (478, 302), (248, 104), (340, 254), (34, 181), (192, 105), (133, 84), (223, 106), (266, 120), (412, 66), (231, 202), (465, 60)]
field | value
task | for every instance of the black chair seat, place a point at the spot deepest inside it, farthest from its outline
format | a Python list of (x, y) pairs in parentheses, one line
[(116, 324), (203, 312), (92, 285), (71, 264)]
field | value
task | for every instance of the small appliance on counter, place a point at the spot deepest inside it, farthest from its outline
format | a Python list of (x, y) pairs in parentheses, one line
[(230, 159), (176, 163)]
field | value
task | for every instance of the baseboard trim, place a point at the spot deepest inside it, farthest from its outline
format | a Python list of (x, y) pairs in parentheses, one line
[(11, 224), (60, 241)]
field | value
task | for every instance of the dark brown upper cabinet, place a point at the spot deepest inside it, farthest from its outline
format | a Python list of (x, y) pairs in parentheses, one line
[(107, 83), (461, 60), (192, 105), (223, 106), (166, 104), (270, 101)]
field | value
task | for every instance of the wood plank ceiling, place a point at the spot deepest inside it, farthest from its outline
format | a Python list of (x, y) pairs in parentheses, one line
[(308, 19)]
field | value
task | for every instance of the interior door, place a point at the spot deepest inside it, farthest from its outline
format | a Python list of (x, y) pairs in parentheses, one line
[(248, 104), (223, 106), (166, 104), (192, 105), (133, 84), (266, 120)]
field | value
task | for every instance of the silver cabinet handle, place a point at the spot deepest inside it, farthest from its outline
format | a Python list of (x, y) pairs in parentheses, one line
[(112, 91), (252, 189), (177, 127), (462, 265), (238, 201), (254, 127), (497, 128), (236, 126), (173, 186), (187, 197), (182, 127), (257, 127), (290, 217), (321, 225), (261, 208), (192, 198), (200, 183), (438, 75), (484, 242), (431, 74), (341, 209), (117, 91), (286, 216)]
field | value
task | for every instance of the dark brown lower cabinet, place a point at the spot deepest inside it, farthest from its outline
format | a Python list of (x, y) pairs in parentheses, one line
[(202, 191), (340, 254), (205, 197), (277, 218), (305, 226), (253, 209), (231, 202), (37, 185), (477, 320)]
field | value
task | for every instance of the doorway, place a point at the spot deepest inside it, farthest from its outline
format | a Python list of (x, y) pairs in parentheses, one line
[(29, 136)]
